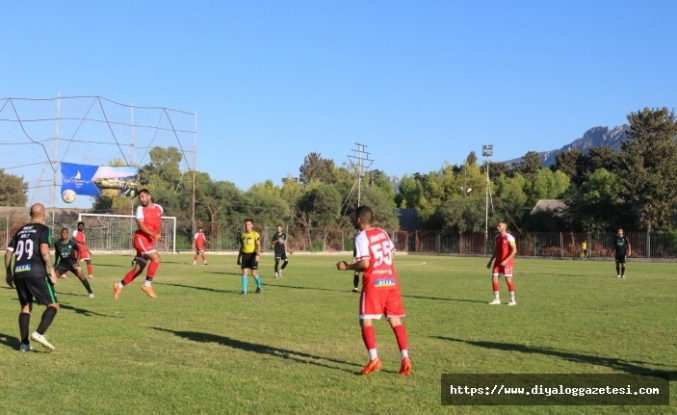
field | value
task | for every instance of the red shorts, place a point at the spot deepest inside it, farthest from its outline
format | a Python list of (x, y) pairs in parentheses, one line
[(199, 249), (84, 253), (376, 302), (505, 271), (144, 245)]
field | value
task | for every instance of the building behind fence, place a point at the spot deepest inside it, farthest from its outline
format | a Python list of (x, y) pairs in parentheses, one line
[(103, 236)]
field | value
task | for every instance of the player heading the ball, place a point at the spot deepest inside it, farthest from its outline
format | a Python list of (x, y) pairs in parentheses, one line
[(149, 221), (380, 288)]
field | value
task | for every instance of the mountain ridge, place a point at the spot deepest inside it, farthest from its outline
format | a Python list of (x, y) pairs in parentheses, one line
[(593, 137)]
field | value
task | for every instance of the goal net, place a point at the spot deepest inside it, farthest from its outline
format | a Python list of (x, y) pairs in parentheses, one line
[(37, 135), (115, 233)]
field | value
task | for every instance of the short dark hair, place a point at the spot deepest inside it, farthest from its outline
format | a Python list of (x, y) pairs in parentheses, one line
[(80, 223), (278, 226), (365, 213), (146, 191), (620, 229), (64, 229), (200, 228), (249, 220)]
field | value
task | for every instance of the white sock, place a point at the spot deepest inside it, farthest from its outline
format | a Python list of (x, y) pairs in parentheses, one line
[(147, 283), (120, 286), (372, 354), (497, 295), (512, 296), (405, 353)]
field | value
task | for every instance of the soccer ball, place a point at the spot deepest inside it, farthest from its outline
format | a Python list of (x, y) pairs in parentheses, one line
[(68, 196)]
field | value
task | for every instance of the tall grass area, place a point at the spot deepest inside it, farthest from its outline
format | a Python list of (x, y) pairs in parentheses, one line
[(201, 348)]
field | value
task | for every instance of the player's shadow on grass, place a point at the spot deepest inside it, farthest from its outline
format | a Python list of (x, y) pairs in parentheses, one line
[(82, 311), (216, 290), (628, 366), (237, 274), (294, 287), (419, 297), (10, 341), (462, 300), (299, 357)]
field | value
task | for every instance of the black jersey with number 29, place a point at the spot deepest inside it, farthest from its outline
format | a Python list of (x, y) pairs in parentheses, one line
[(26, 247)]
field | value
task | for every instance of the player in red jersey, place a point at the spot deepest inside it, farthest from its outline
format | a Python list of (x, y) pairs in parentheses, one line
[(149, 221), (79, 237), (380, 288), (504, 254), (199, 241)]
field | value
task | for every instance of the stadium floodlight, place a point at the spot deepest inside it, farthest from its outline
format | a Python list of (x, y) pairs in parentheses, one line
[(487, 150)]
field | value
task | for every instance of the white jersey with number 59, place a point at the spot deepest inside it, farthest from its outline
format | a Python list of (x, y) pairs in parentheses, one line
[(374, 244)]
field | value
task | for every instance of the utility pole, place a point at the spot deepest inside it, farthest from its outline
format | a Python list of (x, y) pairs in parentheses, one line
[(363, 163), (487, 151)]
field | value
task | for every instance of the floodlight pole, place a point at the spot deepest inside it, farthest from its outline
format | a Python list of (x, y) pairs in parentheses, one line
[(487, 151), (192, 205)]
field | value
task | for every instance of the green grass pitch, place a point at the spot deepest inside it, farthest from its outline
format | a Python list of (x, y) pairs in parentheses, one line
[(201, 348)]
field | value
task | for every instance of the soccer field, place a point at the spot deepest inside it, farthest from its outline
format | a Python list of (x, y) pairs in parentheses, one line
[(296, 348)]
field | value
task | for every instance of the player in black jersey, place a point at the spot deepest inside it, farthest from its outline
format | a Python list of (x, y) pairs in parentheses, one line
[(623, 251), (67, 253), (33, 275), (280, 244)]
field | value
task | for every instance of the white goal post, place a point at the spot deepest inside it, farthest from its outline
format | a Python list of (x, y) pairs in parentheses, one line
[(116, 232)]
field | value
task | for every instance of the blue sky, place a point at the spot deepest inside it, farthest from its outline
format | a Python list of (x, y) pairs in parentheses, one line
[(420, 83)]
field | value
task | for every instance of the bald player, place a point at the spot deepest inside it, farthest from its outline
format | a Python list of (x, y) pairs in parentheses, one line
[(33, 276)]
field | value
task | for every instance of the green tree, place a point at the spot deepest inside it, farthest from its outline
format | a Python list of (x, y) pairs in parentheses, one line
[(316, 168), (548, 185), (411, 191), (530, 165), (319, 206), (266, 188), (571, 163), (648, 166), (462, 214), (13, 189), (595, 206)]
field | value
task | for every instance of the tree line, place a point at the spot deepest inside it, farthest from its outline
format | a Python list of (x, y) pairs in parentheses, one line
[(602, 190)]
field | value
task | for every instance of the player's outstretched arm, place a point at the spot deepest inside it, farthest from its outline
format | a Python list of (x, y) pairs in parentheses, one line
[(8, 269)]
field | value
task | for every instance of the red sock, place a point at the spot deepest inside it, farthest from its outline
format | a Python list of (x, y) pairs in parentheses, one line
[(401, 335), (89, 269), (151, 269), (511, 287), (129, 277), (369, 337), (496, 288)]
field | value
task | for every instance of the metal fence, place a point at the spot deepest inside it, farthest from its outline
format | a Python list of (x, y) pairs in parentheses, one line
[(109, 236)]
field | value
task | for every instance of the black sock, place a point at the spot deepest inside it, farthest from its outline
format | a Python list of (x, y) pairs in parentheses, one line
[(622, 271), (284, 264), (24, 321), (618, 269), (47, 318), (277, 265), (87, 286), (356, 280)]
